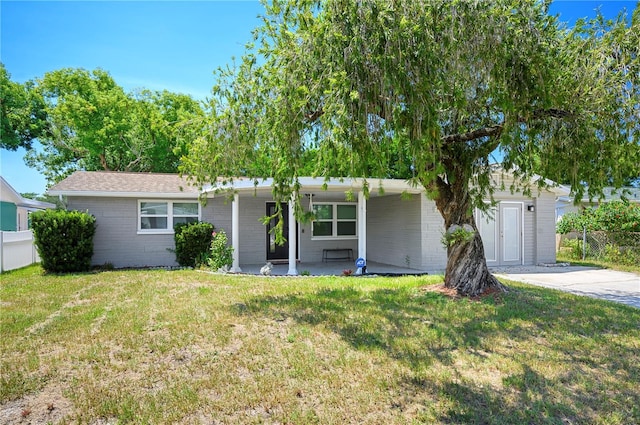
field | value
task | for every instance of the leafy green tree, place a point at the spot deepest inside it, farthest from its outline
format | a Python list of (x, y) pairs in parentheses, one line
[(88, 114), (442, 84), (95, 125), (22, 113), (164, 124)]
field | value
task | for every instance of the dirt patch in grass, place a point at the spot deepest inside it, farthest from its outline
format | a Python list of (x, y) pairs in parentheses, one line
[(451, 293), (46, 406)]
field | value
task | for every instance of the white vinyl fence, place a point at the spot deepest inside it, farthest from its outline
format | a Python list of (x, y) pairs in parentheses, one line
[(17, 249)]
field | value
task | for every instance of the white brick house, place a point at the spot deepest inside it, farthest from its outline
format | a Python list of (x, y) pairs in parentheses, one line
[(398, 226)]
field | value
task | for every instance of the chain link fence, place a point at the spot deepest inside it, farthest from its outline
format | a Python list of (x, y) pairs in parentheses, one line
[(613, 247)]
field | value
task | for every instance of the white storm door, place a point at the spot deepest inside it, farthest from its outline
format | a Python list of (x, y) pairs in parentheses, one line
[(510, 233), (488, 228)]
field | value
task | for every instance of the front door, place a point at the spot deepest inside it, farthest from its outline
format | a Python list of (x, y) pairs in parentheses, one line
[(275, 251), (501, 232)]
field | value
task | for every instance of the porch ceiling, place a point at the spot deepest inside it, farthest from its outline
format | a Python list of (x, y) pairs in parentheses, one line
[(334, 189)]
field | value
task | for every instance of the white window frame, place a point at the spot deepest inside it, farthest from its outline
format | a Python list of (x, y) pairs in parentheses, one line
[(169, 215), (334, 220)]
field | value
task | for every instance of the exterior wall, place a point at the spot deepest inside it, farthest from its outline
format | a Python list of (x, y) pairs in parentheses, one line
[(310, 250), (403, 233), (545, 229), (8, 221), (394, 231), (434, 254), (538, 227), (117, 240), (253, 234), (23, 218)]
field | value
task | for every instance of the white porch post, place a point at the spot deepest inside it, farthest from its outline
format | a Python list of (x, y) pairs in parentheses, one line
[(235, 233), (293, 248), (362, 226)]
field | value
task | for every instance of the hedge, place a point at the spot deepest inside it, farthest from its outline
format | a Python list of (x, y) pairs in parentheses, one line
[(64, 239), (193, 242)]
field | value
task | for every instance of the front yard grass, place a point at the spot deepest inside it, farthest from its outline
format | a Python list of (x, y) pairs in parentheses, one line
[(191, 347)]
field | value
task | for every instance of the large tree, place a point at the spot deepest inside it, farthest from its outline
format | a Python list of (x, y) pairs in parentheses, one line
[(93, 124), (450, 86), (22, 114)]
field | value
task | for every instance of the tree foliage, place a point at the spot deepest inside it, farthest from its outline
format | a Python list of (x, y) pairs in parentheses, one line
[(449, 87), (22, 113), (85, 120), (614, 216)]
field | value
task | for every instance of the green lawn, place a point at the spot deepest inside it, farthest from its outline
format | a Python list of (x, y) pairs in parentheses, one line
[(191, 347)]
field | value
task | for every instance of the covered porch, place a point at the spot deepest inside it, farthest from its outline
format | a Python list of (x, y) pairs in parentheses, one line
[(384, 227)]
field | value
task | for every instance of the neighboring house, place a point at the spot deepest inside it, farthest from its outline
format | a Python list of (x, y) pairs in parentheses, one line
[(565, 203), (15, 210), (399, 226)]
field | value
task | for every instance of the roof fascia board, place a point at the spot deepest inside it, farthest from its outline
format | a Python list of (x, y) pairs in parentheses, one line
[(102, 194), (31, 203)]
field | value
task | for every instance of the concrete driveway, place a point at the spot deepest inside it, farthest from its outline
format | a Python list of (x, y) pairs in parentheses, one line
[(610, 285)]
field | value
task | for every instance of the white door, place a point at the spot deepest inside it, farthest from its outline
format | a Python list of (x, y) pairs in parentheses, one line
[(488, 228), (501, 233)]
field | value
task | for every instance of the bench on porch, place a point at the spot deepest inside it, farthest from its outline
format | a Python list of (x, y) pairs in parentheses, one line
[(340, 254)]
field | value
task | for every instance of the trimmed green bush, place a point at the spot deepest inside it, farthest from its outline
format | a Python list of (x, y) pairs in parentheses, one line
[(193, 242), (64, 239)]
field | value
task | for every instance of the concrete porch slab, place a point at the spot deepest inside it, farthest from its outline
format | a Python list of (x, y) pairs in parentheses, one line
[(332, 268)]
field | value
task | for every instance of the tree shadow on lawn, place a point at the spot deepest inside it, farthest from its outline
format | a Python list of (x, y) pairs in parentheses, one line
[(422, 328)]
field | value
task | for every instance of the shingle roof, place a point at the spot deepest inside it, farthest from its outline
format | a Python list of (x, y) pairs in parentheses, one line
[(111, 183)]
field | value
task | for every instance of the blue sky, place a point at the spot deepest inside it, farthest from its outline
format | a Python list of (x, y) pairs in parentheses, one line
[(172, 45)]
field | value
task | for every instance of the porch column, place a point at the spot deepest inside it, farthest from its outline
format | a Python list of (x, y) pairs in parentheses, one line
[(292, 238), (362, 226), (235, 233)]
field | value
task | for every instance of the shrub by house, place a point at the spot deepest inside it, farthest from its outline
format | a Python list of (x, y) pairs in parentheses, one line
[(193, 242), (64, 239)]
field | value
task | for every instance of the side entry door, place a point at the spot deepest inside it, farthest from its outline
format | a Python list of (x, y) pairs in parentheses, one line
[(501, 232)]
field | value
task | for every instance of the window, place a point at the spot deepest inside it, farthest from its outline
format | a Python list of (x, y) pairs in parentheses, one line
[(334, 221), (162, 216)]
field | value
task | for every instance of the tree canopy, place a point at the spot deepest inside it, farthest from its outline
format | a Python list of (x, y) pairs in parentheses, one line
[(85, 120), (445, 89), (22, 113)]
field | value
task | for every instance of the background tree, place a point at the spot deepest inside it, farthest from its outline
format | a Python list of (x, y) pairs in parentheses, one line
[(455, 86), (93, 124), (22, 113)]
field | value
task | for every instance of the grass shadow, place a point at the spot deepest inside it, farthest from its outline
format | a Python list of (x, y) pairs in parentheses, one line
[(424, 329)]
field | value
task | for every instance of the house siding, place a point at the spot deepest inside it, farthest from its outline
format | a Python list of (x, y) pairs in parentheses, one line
[(404, 233), (117, 240), (394, 231), (538, 227), (8, 220), (545, 229), (253, 234), (310, 250), (434, 254)]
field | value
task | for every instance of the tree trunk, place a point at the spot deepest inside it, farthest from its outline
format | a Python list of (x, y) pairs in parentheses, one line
[(467, 270)]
